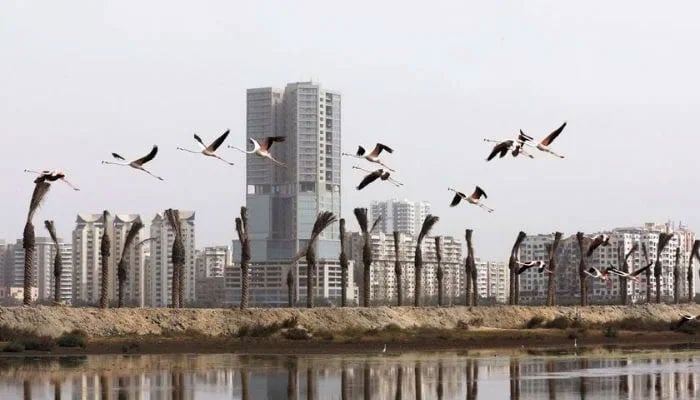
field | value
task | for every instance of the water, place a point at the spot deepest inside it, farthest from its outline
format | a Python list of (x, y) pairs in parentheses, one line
[(600, 375)]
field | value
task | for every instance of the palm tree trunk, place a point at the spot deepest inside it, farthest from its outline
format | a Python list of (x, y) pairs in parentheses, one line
[(472, 267), (468, 296), (513, 267), (175, 287), (622, 262), (439, 273), (181, 277), (57, 272), (664, 238), (677, 277), (581, 268), (121, 279), (310, 275), (647, 273), (419, 276), (290, 287), (242, 231), (343, 267), (397, 269), (552, 280), (28, 243), (694, 253), (105, 253), (367, 271)]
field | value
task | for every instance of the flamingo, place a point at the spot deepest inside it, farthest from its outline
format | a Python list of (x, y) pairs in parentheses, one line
[(687, 318), (374, 175), (209, 151), (51, 176), (263, 150), (632, 275), (503, 146), (374, 155), (596, 273), (598, 240), (539, 264), (383, 175), (547, 141), (137, 164), (473, 199)]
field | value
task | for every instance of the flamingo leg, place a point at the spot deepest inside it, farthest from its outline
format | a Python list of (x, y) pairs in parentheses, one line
[(485, 207), (361, 169), (188, 150), (115, 163), (149, 173), (227, 162), (69, 184), (32, 171), (277, 162), (241, 150), (385, 166)]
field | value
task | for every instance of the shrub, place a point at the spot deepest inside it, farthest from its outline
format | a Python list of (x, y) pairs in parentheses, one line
[(242, 331), (38, 343), (72, 340), (258, 330), (476, 322), (392, 327), (79, 332), (560, 322), (8, 334), (290, 322), (13, 347), (461, 324), (534, 322), (610, 331)]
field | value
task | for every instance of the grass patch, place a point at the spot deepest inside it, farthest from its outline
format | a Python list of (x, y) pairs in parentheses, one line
[(73, 339), (38, 343), (13, 347), (534, 322), (291, 322), (392, 328), (561, 322), (258, 330), (8, 334)]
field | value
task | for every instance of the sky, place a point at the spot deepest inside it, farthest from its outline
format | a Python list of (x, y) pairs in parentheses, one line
[(82, 79)]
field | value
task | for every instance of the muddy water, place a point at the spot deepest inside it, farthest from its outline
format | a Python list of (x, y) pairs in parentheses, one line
[(599, 375)]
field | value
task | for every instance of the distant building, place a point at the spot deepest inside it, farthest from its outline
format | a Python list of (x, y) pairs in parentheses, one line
[(87, 258), (399, 215), (283, 202), (383, 286), (211, 261), (533, 286), (7, 264), (211, 291), (493, 280), (43, 280), (159, 270), (268, 283)]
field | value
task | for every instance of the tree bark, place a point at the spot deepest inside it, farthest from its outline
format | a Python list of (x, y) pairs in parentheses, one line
[(343, 266), (470, 292), (418, 275), (290, 287), (622, 262), (367, 265), (397, 269), (28, 243), (105, 253), (583, 248), (439, 274), (513, 298), (647, 274), (242, 231), (664, 238), (552, 279), (677, 277), (694, 253), (121, 278)]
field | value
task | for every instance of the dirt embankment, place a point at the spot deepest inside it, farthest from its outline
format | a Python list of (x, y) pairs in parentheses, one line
[(98, 323)]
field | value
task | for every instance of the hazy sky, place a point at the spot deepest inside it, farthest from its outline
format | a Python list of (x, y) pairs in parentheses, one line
[(81, 79)]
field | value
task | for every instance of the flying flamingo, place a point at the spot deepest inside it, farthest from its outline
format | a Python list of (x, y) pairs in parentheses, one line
[(209, 151), (374, 175), (263, 150), (687, 318), (137, 164), (383, 175), (503, 146), (540, 265), (547, 141), (596, 273), (374, 155), (599, 240), (473, 199), (51, 176), (632, 275)]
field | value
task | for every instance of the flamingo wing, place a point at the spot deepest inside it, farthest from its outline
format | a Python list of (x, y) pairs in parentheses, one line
[(267, 143), (500, 149), (118, 157), (148, 157), (550, 138), (216, 143), (456, 199), (378, 148), (639, 271), (369, 179), (478, 192)]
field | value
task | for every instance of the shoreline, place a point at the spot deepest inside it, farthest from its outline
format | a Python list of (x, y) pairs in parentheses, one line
[(486, 341)]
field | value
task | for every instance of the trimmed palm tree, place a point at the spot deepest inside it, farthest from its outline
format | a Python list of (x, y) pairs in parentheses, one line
[(29, 238), (552, 264), (470, 287), (625, 266), (514, 292), (122, 266), (105, 246), (647, 273), (397, 269), (242, 231), (343, 266), (57, 262), (428, 224), (439, 273), (323, 221), (664, 238), (677, 277), (290, 286), (583, 282), (361, 216), (178, 258), (695, 253)]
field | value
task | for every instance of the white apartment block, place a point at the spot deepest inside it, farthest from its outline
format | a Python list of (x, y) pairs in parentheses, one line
[(87, 237), (159, 270), (493, 280), (383, 285), (533, 286), (268, 283), (43, 280), (212, 261), (399, 215)]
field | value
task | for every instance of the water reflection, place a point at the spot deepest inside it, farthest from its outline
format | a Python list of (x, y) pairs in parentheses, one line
[(399, 377)]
